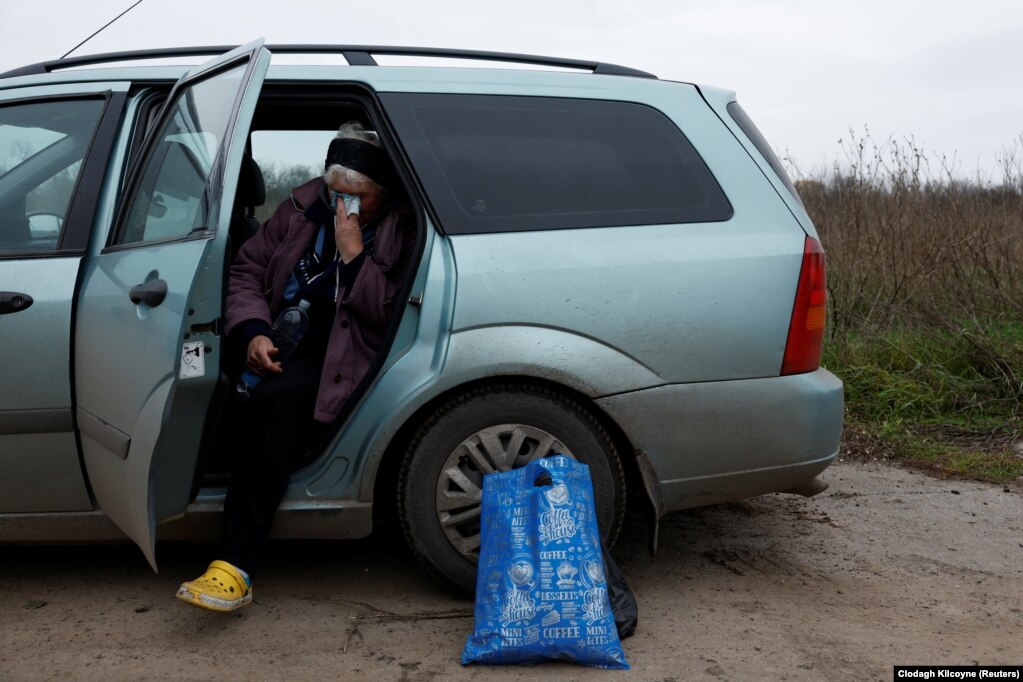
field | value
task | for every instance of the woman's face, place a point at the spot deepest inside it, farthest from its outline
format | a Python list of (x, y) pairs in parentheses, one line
[(371, 196)]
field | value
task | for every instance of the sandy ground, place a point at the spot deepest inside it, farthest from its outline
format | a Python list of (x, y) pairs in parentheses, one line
[(886, 567)]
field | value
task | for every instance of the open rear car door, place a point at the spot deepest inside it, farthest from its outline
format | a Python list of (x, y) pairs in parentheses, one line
[(147, 345)]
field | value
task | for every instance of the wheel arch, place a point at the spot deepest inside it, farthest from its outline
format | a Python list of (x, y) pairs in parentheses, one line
[(385, 475)]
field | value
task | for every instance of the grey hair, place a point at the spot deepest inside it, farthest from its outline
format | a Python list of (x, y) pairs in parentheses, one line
[(352, 130)]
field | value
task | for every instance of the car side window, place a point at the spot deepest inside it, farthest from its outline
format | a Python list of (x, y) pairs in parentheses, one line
[(500, 163), (172, 197), (42, 146)]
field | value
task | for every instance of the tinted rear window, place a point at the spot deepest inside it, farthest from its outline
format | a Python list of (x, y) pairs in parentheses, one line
[(499, 163)]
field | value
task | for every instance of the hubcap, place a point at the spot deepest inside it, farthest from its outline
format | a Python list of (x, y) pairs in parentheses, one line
[(460, 485)]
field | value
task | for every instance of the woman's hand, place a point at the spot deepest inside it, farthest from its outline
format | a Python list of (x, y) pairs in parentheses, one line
[(259, 357), (347, 234)]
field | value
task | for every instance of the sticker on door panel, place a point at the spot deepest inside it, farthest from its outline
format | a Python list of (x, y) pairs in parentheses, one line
[(193, 363)]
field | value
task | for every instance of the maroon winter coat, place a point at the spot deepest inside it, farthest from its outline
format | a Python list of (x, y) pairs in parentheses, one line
[(260, 275)]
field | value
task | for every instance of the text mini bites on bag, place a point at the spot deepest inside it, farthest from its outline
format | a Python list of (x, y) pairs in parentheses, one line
[(541, 590)]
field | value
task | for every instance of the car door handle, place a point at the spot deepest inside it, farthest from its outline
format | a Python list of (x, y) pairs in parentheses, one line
[(151, 293), (14, 302)]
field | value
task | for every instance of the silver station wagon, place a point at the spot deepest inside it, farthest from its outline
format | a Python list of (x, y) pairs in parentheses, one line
[(606, 265)]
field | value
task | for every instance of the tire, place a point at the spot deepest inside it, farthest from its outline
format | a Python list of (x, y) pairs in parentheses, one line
[(440, 481)]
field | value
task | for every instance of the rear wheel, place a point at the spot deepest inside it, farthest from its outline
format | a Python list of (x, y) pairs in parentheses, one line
[(488, 430)]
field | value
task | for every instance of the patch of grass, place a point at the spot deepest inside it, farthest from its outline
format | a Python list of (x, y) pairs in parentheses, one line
[(929, 375), (928, 398), (994, 461), (949, 458)]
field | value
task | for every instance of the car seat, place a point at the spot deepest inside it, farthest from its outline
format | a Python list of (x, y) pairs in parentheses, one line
[(250, 194)]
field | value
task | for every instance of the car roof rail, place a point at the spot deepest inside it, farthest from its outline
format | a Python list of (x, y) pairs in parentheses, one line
[(356, 55)]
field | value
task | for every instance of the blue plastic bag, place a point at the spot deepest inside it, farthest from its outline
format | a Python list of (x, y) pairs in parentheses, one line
[(541, 592)]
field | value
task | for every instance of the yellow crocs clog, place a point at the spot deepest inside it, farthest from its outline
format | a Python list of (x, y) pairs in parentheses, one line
[(220, 588)]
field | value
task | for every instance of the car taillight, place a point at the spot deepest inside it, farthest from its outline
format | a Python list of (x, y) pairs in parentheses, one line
[(806, 330)]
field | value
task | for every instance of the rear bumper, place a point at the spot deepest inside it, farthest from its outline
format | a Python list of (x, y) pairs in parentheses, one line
[(714, 442)]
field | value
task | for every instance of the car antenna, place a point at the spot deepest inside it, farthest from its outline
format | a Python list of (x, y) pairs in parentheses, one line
[(101, 29)]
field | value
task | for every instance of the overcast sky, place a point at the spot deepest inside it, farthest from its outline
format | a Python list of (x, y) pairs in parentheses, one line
[(947, 73)]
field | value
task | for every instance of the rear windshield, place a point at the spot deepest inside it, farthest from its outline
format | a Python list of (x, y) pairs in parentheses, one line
[(501, 163)]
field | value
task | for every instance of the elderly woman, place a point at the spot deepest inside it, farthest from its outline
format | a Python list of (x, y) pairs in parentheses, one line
[(343, 257)]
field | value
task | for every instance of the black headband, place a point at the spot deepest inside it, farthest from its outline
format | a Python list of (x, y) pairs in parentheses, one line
[(366, 158)]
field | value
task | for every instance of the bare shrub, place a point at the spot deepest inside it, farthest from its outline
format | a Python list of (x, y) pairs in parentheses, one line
[(920, 259), (907, 239)]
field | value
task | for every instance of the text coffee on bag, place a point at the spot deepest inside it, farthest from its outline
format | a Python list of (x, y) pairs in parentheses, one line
[(541, 592)]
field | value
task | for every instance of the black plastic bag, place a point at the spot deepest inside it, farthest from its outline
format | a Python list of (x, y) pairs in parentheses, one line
[(623, 601)]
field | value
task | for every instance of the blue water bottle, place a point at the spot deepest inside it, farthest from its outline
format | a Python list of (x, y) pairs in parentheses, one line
[(288, 329)]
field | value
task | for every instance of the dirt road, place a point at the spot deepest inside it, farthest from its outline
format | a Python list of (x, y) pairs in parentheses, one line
[(886, 567)]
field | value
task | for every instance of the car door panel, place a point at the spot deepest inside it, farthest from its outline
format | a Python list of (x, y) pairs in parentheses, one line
[(144, 334), (57, 136), (38, 454), (147, 363)]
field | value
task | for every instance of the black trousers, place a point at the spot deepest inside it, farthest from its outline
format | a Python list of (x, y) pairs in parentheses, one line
[(275, 429)]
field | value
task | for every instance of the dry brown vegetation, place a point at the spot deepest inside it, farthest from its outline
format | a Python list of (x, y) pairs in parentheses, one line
[(905, 240), (925, 281)]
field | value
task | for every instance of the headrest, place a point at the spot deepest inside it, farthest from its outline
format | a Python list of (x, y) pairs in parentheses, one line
[(251, 187)]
